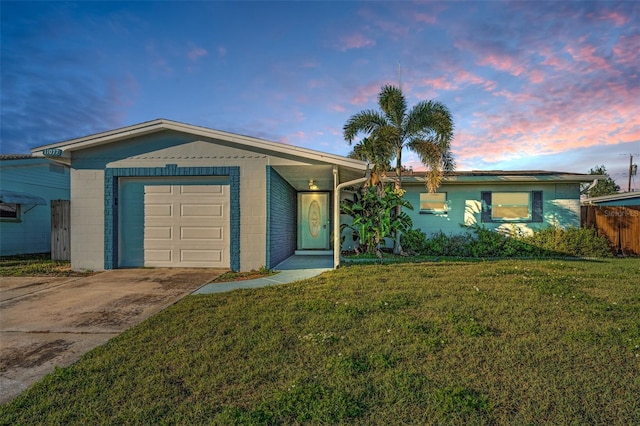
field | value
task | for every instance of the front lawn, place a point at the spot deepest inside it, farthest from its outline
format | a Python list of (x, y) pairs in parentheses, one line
[(494, 342), (40, 264)]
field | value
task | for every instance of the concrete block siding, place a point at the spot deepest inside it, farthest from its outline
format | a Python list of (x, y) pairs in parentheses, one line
[(87, 219), (282, 210), (95, 243)]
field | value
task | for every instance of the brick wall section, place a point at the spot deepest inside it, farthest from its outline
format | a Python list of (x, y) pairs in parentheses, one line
[(282, 211)]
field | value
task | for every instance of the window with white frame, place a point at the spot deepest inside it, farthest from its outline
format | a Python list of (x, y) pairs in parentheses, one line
[(512, 206), (433, 202), (9, 211)]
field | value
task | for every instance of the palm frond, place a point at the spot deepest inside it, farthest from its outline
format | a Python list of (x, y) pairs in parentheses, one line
[(393, 104), (430, 119), (436, 161), (366, 122)]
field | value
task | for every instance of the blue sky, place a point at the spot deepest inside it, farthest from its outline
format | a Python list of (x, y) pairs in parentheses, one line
[(531, 85)]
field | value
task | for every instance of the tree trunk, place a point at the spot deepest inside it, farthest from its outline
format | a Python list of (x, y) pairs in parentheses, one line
[(397, 248)]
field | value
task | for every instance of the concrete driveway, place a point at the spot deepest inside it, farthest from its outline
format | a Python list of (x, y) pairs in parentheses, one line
[(50, 322)]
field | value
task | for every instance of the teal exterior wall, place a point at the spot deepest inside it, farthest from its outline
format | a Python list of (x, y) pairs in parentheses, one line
[(39, 177), (560, 207)]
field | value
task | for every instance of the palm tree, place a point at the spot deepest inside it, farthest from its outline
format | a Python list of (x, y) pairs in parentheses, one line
[(378, 153), (426, 129)]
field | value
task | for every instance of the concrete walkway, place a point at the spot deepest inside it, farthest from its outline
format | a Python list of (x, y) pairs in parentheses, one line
[(295, 268)]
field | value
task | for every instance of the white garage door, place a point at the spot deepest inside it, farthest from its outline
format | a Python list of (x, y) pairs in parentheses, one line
[(186, 226)]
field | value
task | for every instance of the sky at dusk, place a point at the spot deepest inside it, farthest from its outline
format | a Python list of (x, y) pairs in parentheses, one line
[(531, 85)]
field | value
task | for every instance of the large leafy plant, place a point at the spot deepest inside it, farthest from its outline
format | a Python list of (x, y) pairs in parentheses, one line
[(375, 217)]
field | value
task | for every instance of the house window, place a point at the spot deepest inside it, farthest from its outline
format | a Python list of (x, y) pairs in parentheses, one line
[(433, 202), (9, 211), (512, 206)]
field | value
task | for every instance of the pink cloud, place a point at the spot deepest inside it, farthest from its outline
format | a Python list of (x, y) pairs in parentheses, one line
[(316, 83), (626, 49), (458, 79), (295, 138), (502, 63), (424, 18), (355, 41), (441, 83), (365, 93), (536, 76), (588, 54), (388, 26), (617, 18), (196, 52), (338, 108), (222, 51)]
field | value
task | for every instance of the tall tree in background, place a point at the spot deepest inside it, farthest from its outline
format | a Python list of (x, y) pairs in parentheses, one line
[(604, 186), (426, 129), (378, 153)]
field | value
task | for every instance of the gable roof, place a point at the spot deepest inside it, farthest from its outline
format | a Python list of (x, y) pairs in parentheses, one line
[(63, 149)]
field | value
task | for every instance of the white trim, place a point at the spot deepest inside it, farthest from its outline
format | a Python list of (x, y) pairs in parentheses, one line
[(611, 197), (162, 124)]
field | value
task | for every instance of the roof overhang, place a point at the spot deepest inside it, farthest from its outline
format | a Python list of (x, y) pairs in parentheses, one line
[(504, 177), (12, 197), (612, 197), (63, 150)]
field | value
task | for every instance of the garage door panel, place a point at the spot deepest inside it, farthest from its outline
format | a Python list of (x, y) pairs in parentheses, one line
[(194, 210), (209, 233), (159, 232), (199, 189), (186, 226), (201, 255), (158, 210), (157, 256), (158, 189)]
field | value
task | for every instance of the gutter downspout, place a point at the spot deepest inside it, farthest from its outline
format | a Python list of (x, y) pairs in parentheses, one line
[(593, 184), (336, 211)]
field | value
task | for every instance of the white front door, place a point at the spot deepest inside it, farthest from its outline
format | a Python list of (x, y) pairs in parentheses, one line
[(313, 220), (186, 226)]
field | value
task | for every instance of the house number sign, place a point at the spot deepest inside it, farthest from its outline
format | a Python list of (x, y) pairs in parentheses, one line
[(52, 152)]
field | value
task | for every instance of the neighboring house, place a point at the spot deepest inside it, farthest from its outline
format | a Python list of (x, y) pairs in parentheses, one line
[(619, 199), (507, 201), (169, 194), (617, 217), (27, 186)]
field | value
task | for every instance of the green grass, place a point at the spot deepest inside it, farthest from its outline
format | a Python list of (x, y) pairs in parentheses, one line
[(242, 276), (496, 342), (35, 265)]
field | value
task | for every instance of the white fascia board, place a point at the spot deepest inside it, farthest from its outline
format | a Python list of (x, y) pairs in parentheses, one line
[(104, 137), (162, 124), (612, 197), (508, 179), (270, 146)]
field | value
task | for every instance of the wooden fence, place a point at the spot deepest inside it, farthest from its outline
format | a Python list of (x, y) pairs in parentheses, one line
[(621, 226), (60, 230)]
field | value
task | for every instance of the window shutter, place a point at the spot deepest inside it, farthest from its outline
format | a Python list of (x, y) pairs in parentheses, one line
[(537, 215), (486, 206)]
